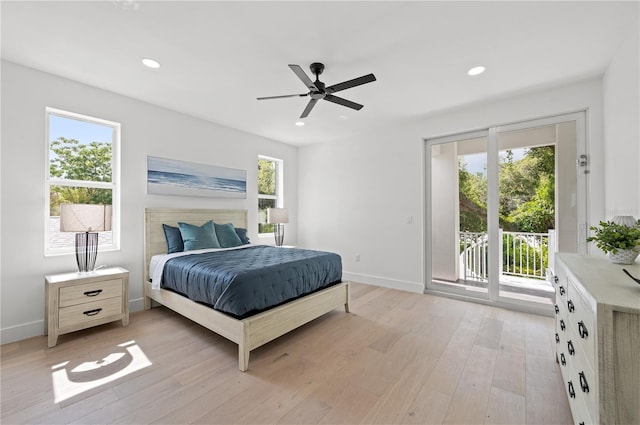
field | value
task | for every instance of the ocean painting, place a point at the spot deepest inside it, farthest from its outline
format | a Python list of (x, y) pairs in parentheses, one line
[(172, 177)]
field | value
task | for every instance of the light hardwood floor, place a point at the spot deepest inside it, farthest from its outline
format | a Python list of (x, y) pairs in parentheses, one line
[(397, 358)]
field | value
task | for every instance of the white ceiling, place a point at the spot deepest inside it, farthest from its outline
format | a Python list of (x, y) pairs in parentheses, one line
[(217, 57)]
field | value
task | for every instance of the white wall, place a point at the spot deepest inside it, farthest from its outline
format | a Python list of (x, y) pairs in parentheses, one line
[(146, 130), (367, 188), (621, 88)]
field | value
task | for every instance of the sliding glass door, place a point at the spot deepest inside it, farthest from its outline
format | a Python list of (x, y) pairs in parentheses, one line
[(500, 202)]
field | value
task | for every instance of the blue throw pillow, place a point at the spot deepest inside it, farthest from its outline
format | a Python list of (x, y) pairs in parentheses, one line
[(198, 237), (174, 239), (242, 234), (227, 235)]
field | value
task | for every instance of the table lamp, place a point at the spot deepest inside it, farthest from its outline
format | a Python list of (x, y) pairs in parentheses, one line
[(86, 220), (278, 216)]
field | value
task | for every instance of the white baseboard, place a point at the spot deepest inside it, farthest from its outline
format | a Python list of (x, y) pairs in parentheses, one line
[(20, 332), (416, 287), (29, 330), (136, 305)]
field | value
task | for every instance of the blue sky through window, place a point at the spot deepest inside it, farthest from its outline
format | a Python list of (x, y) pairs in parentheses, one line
[(477, 162), (82, 131)]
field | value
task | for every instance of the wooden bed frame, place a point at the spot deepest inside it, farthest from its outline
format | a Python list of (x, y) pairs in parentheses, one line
[(248, 333)]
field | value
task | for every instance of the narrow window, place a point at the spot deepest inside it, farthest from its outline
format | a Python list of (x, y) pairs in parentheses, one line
[(269, 190), (82, 159)]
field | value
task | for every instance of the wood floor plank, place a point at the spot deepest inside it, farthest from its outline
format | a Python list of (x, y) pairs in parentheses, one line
[(470, 400), (505, 408), (399, 357)]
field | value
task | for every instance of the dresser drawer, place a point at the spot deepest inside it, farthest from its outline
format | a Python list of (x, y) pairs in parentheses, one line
[(581, 320), (580, 412), (87, 312), (90, 292)]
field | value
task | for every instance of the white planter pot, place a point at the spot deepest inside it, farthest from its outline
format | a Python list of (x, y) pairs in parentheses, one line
[(624, 256)]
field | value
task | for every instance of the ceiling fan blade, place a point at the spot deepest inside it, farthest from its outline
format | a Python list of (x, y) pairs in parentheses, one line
[(343, 102), (286, 95), (309, 107), (303, 76), (351, 83)]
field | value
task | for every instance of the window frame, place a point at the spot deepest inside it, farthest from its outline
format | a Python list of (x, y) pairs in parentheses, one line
[(279, 166), (113, 185)]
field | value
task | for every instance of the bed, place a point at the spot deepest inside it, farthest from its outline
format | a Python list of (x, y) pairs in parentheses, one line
[(248, 332)]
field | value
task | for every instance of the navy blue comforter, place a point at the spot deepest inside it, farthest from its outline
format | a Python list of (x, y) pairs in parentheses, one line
[(245, 281)]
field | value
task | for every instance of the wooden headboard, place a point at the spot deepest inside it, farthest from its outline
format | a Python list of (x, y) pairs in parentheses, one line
[(154, 218)]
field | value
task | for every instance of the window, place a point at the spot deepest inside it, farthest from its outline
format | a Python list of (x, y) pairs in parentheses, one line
[(82, 159), (269, 190)]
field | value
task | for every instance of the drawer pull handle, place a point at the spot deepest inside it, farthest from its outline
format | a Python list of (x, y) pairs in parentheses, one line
[(555, 279), (563, 361), (582, 330), (572, 392), (557, 309), (570, 306), (562, 325), (557, 338), (93, 293), (562, 291), (583, 383), (570, 348), (92, 312)]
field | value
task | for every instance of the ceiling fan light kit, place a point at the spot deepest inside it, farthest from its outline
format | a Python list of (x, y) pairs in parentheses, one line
[(319, 91)]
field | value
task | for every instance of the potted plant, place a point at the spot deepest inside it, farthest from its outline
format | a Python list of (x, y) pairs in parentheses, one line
[(620, 242)]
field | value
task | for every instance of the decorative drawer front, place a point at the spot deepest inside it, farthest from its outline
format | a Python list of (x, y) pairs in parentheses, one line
[(90, 292), (581, 320), (583, 375), (584, 387), (84, 313), (579, 411)]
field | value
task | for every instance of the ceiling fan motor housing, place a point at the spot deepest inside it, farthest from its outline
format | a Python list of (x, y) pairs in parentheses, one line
[(316, 68)]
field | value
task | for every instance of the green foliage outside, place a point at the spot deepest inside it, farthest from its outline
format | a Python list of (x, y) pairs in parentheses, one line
[(526, 193), (82, 162), (526, 200), (266, 186), (266, 177)]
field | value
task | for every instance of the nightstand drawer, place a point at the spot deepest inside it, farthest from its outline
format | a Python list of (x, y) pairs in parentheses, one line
[(84, 313), (90, 292)]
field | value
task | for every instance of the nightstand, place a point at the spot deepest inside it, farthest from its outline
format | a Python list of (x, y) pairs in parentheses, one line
[(75, 301)]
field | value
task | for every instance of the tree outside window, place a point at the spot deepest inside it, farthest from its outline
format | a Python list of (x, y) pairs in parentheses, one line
[(269, 190)]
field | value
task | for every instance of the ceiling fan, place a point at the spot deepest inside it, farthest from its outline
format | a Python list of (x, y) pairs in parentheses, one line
[(318, 91)]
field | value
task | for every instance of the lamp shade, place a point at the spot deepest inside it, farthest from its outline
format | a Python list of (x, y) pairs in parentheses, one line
[(277, 215), (624, 220), (85, 218)]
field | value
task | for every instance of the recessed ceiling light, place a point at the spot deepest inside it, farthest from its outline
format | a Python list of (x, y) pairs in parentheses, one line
[(477, 70), (299, 123), (150, 63)]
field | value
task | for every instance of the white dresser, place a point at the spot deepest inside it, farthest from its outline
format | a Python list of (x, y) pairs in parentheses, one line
[(598, 338)]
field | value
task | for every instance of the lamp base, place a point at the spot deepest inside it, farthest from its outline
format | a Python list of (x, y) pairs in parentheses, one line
[(86, 251), (279, 234)]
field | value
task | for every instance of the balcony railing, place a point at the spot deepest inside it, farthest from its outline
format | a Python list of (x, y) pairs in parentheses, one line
[(523, 254), (473, 255)]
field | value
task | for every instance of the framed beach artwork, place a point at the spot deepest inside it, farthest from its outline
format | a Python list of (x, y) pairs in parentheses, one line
[(182, 178)]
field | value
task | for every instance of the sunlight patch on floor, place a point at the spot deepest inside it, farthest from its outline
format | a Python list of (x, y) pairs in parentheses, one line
[(71, 379)]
